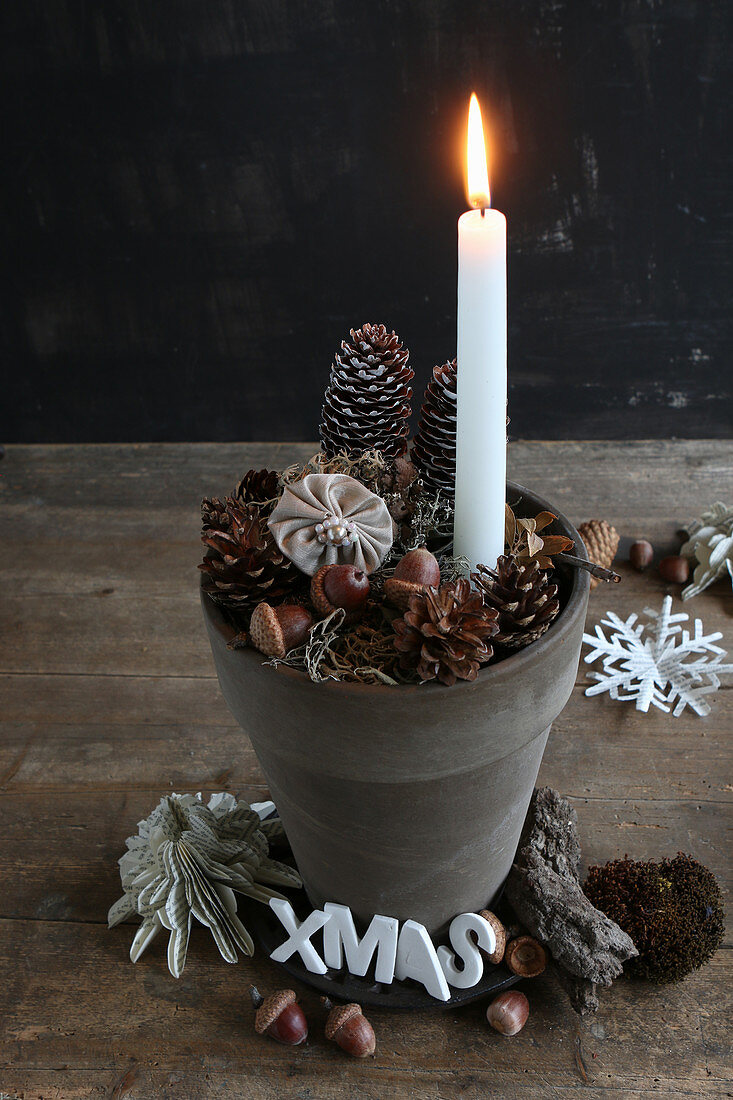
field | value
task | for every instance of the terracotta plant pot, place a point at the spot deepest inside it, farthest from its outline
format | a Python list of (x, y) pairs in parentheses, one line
[(406, 801)]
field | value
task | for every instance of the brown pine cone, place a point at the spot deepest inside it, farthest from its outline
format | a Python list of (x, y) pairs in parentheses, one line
[(244, 565), (214, 514), (258, 487), (525, 599), (444, 634), (601, 543), (367, 403)]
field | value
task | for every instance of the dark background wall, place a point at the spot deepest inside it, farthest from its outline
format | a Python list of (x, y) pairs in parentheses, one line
[(202, 198)]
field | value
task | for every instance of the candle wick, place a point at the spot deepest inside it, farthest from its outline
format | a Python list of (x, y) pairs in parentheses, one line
[(483, 211)]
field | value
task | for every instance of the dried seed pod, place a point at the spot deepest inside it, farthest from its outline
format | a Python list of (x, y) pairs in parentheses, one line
[(280, 1017), (641, 554), (508, 1012), (525, 957), (674, 569), (351, 1030), (417, 571), (500, 933), (276, 630)]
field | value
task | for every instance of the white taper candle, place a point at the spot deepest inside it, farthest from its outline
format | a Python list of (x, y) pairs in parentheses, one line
[(482, 381)]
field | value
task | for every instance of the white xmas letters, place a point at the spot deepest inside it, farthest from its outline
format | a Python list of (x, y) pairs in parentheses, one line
[(411, 954)]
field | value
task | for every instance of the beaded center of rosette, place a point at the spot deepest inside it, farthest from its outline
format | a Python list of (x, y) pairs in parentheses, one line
[(336, 532)]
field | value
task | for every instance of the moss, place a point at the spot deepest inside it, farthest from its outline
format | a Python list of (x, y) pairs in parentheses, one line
[(672, 910)]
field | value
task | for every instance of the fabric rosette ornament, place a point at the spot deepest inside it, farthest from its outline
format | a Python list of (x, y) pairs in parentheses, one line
[(330, 519)]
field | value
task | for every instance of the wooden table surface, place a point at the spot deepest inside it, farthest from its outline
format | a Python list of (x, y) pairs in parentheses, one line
[(108, 699)]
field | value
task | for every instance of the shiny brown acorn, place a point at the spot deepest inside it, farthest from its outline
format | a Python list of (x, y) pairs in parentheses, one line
[(417, 571), (674, 569), (277, 630), (280, 1017), (508, 1013), (347, 1026), (335, 586), (641, 554)]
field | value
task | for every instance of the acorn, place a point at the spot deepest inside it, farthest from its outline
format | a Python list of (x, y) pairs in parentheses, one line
[(499, 932), (350, 1029), (508, 1012), (280, 1017), (674, 569), (525, 957), (336, 586), (277, 630), (641, 554), (417, 571)]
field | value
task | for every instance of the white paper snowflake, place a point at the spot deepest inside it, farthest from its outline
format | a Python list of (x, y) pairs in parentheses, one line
[(654, 663)]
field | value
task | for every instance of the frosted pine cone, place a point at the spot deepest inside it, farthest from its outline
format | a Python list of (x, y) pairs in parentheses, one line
[(523, 596), (444, 634), (434, 447), (367, 403)]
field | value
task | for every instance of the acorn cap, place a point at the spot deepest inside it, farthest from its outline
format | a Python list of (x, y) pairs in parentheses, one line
[(499, 931), (265, 631), (525, 957), (277, 630), (338, 1017), (398, 592), (319, 599), (271, 1008), (322, 603)]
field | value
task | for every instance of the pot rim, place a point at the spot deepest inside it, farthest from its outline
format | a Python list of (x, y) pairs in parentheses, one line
[(520, 663)]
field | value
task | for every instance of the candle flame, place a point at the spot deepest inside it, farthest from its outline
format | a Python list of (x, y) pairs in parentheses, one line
[(478, 176)]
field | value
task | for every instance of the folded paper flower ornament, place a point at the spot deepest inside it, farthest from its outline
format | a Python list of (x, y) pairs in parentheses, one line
[(187, 861)]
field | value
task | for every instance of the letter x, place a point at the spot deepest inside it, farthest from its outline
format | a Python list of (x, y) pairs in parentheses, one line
[(300, 935)]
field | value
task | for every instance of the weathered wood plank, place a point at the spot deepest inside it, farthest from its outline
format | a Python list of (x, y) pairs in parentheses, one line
[(151, 1084), (663, 482), (139, 1015), (143, 634), (86, 831), (597, 748)]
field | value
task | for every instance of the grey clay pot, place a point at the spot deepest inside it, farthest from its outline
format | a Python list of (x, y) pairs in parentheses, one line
[(406, 801)]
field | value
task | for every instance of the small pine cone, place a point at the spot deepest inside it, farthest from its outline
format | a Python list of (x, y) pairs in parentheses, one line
[(525, 599), (258, 487), (445, 632), (214, 514), (244, 565), (434, 446), (367, 403), (601, 542)]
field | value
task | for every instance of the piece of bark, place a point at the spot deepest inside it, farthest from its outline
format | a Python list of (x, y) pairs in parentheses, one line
[(544, 890), (583, 995)]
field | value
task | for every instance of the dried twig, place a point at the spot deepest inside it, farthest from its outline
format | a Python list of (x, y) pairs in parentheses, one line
[(590, 567)]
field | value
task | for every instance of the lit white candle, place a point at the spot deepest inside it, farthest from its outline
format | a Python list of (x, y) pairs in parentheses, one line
[(482, 381)]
